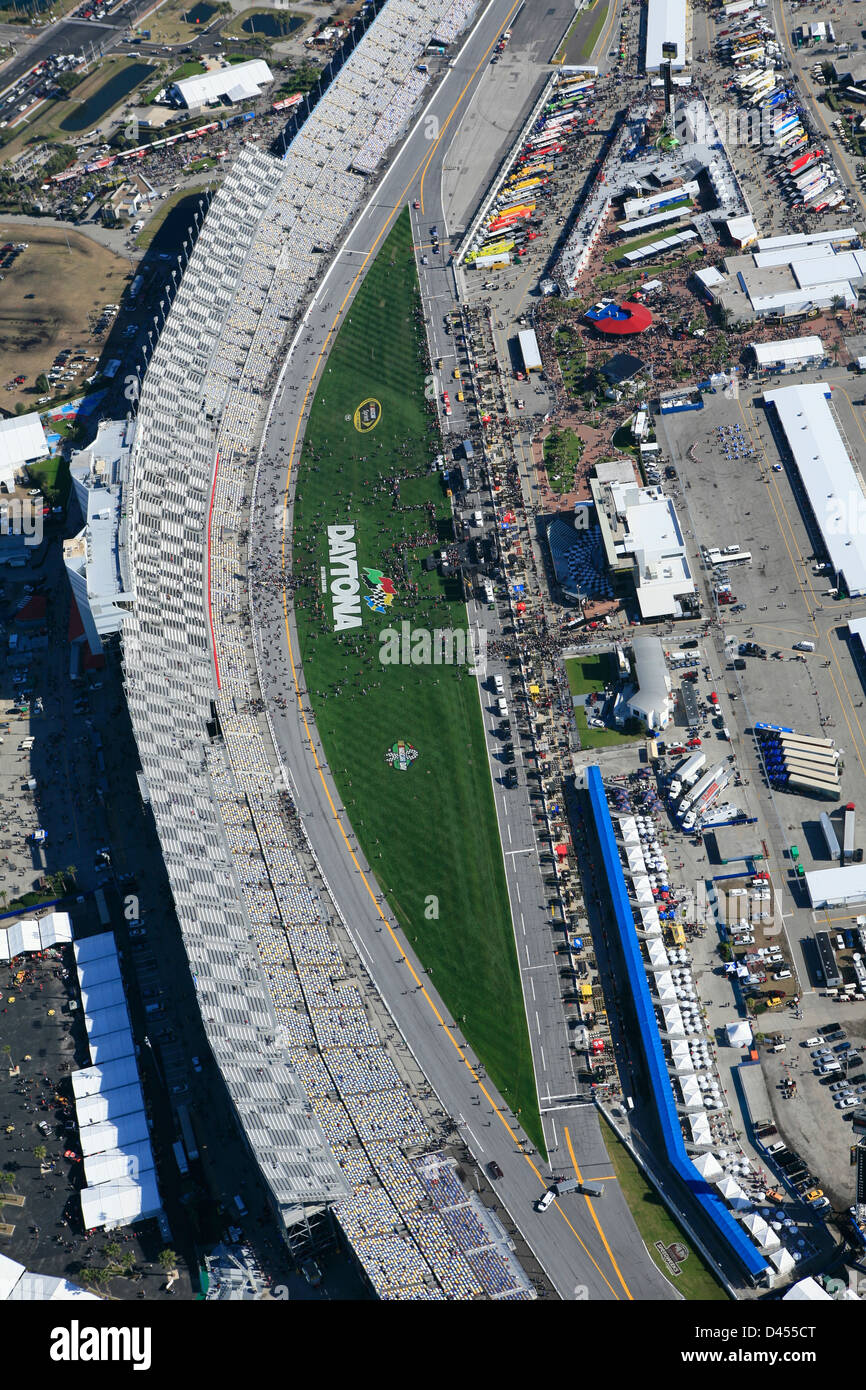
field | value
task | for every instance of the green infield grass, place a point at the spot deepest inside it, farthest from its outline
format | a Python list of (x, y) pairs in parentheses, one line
[(405, 743)]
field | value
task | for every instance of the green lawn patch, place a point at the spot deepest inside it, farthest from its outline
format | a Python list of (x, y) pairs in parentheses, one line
[(655, 1223), (603, 738), (51, 475), (562, 451), (571, 357), (592, 37), (429, 831), (586, 673)]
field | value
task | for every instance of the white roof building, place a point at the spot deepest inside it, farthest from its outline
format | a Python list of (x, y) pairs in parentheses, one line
[(652, 701), (237, 82), (794, 274), (828, 476), (789, 352), (837, 887), (665, 23), (22, 440), (96, 559)]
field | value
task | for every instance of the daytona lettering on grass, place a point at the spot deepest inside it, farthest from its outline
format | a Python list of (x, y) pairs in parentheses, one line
[(345, 589)]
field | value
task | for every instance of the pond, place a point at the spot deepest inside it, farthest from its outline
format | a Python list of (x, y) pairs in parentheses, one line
[(274, 26), (199, 14), (85, 116)]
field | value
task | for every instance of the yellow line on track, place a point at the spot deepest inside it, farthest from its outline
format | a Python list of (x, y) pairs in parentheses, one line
[(588, 1200)]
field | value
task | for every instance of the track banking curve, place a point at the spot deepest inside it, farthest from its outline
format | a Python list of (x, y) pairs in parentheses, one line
[(582, 1260)]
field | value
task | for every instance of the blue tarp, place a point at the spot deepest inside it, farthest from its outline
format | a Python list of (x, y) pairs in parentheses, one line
[(713, 1205)]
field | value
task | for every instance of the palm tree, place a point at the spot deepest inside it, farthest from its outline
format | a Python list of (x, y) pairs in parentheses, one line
[(7, 1053), (167, 1260), (112, 1252), (127, 1262), (39, 1152), (7, 1181)]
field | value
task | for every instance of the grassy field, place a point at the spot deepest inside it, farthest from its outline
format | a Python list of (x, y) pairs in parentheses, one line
[(46, 298), (587, 673), (429, 831), (597, 22), (562, 452), (600, 738), (155, 224), (169, 23), (654, 1222)]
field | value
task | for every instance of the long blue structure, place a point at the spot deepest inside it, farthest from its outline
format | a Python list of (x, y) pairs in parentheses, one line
[(712, 1204)]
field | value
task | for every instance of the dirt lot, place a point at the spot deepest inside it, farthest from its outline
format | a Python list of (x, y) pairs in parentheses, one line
[(46, 298)]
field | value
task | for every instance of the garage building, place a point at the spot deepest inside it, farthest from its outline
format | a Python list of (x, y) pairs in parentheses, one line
[(22, 441)]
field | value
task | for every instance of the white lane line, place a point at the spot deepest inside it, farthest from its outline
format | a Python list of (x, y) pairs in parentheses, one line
[(508, 828), (543, 1062), (474, 1136), (532, 987), (526, 949), (537, 1023), (522, 924)]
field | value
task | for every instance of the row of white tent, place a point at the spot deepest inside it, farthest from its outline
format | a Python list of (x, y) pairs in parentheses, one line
[(760, 1230), (35, 934), (112, 1123)]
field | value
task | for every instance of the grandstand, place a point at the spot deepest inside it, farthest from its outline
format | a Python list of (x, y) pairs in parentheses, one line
[(325, 1111)]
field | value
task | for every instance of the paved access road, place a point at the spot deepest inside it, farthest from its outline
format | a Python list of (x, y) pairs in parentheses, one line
[(589, 1250)]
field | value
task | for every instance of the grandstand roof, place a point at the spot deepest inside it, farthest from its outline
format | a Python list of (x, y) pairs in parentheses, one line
[(827, 474)]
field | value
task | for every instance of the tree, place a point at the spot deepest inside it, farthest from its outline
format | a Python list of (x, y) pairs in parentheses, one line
[(39, 1152), (167, 1260), (42, 384), (7, 1053), (127, 1262), (7, 1181)]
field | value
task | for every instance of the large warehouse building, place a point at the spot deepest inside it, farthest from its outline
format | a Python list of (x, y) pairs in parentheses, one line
[(240, 82), (665, 24), (828, 477)]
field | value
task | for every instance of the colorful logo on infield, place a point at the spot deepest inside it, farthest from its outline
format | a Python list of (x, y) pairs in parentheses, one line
[(367, 416), (401, 755), (383, 591)]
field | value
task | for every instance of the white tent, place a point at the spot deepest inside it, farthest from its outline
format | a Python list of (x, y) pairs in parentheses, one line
[(691, 1092), (90, 1080), (658, 956), (700, 1127), (629, 830), (806, 1291), (10, 1273), (709, 1167), (94, 947), (733, 1194), (114, 1134), (650, 924), (120, 1202), (673, 1021), (109, 1105), (642, 890), (636, 862), (739, 1033), (46, 1288), (126, 1163), (782, 1260)]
